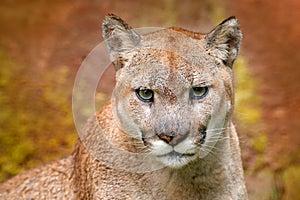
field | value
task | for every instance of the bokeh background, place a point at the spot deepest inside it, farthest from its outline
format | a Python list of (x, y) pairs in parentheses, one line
[(42, 44)]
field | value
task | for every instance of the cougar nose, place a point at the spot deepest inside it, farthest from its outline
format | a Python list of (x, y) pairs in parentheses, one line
[(171, 139), (166, 138)]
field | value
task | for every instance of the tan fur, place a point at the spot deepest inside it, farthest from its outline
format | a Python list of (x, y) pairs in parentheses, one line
[(168, 130)]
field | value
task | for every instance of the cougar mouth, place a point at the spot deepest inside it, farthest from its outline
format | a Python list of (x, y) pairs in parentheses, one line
[(176, 154), (175, 159)]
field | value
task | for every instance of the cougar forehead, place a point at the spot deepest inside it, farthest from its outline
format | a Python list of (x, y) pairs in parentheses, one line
[(165, 53), (172, 48), (163, 71)]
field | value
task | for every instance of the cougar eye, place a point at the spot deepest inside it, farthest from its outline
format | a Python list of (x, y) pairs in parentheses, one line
[(145, 95), (199, 92)]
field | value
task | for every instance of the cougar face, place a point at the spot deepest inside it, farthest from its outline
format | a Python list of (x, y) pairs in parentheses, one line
[(174, 107), (173, 90)]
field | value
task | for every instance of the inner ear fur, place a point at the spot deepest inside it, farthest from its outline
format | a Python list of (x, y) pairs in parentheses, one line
[(120, 39), (223, 41)]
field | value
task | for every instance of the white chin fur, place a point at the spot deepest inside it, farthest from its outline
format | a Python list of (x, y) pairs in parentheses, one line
[(174, 157), (160, 148), (175, 161)]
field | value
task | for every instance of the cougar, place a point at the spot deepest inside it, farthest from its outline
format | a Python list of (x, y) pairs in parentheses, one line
[(167, 132)]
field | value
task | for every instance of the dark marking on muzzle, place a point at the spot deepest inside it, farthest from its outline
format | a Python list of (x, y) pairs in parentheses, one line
[(203, 135)]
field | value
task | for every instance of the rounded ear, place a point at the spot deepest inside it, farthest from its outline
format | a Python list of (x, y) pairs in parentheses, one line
[(120, 39), (223, 42)]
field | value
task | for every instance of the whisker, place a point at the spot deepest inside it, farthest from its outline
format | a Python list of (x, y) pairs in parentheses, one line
[(128, 143), (208, 151), (215, 149), (214, 129), (216, 134), (213, 153), (216, 140), (219, 137)]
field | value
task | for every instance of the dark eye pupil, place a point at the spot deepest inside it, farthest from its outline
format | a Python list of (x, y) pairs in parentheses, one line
[(198, 89), (145, 95), (146, 92)]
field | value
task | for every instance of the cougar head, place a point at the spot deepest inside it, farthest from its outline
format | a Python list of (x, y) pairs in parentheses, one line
[(173, 87)]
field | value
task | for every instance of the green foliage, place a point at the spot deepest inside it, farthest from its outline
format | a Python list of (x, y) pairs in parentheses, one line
[(247, 98), (259, 143), (248, 113), (36, 122), (291, 179)]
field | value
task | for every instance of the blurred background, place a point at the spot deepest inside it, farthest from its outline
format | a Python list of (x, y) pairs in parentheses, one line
[(42, 44)]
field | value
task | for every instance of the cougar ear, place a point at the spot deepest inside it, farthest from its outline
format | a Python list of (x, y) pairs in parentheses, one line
[(120, 39), (223, 42)]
